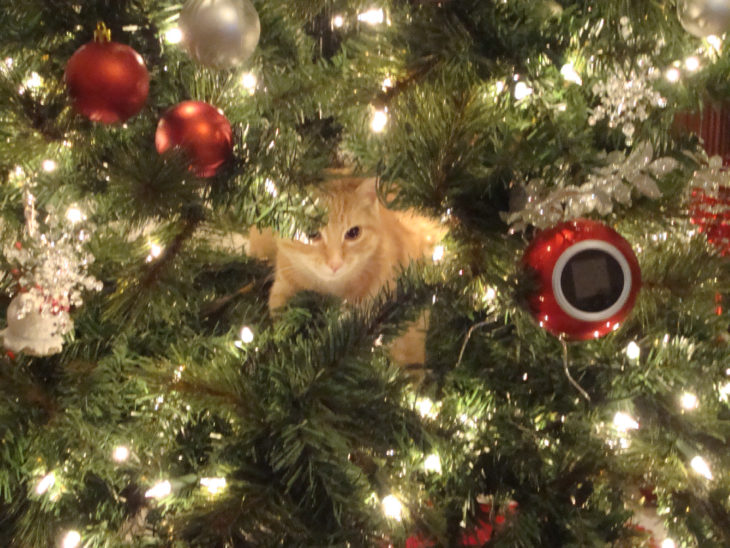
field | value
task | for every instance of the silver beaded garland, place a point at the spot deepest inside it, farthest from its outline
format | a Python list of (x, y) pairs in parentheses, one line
[(220, 33), (704, 17)]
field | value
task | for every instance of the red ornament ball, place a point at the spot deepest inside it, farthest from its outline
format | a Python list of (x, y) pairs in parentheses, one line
[(108, 82), (201, 130), (587, 279)]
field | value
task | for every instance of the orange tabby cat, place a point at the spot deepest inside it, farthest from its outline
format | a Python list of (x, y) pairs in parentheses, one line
[(359, 251)]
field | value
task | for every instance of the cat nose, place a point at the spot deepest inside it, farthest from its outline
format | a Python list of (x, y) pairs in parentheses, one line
[(335, 264)]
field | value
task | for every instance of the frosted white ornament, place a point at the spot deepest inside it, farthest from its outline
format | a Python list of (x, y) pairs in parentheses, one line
[(33, 331), (704, 18), (220, 33)]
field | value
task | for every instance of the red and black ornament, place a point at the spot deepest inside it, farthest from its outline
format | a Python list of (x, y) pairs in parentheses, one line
[(587, 279), (201, 130), (108, 82)]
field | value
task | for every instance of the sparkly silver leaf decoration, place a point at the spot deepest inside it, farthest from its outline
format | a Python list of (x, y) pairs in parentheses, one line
[(613, 183)]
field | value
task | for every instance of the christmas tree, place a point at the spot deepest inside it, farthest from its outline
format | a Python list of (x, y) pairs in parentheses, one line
[(576, 378)]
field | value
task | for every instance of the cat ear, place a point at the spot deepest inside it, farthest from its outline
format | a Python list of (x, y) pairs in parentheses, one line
[(368, 190)]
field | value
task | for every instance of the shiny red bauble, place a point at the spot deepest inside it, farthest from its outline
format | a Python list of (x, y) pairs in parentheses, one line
[(587, 279), (107, 81), (201, 130)]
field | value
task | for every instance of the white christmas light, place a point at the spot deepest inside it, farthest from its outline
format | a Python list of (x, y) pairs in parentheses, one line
[(673, 75), (49, 166), (715, 42), (700, 466), (71, 539), (689, 401), (173, 36), (213, 485), (490, 294), (45, 483), (271, 187), (633, 351), (623, 421), (155, 250), (74, 215), (668, 543), (425, 407), (393, 508), (338, 21), (246, 335), (569, 73), (379, 121), (432, 464), (522, 91), (692, 63), (159, 490), (373, 16), (120, 453), (387, 84), (499, 87), (249, 81), (725, 392), (438, 253), (33, 81)]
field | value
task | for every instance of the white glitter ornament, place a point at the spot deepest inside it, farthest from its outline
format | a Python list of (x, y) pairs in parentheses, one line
[(220, 33), (30, 330)]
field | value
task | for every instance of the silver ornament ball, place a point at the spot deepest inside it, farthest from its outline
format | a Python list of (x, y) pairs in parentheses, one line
[(703, 18), (220, 33)]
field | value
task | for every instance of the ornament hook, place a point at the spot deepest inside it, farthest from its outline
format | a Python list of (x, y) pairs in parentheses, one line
[(102, 33)]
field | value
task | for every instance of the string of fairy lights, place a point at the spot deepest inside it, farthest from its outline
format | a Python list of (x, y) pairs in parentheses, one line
[(49, 483)]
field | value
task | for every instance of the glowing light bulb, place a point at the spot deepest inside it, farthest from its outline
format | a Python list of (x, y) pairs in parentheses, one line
[(338, 21), (373, 16), (522, 91), (271, 187), (700, 466), (379, 121), (438, 253), (668, 543), (173, 35), (633, 351), (159, 490), (45, 483), (725, 392), (490, 294), (74, 215), (689, 401), (246, 335), (71, 539), (33, 81), (155, 251), (432, 464), (387, 84), (120, 453), (623, 421), (499, 86), (213, 485), (715, 42), (692, 63), (393, 508), (425, 407), (49, 166), (569, 73), (673, 75), (249, 81)]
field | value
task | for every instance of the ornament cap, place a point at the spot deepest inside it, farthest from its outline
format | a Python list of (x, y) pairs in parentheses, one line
[(102, 34)]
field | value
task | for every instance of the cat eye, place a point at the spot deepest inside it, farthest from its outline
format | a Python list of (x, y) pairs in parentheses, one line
[(353, 233), (314, 236)]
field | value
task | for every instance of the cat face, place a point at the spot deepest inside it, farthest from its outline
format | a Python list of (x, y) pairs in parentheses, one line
[(345, 249)]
